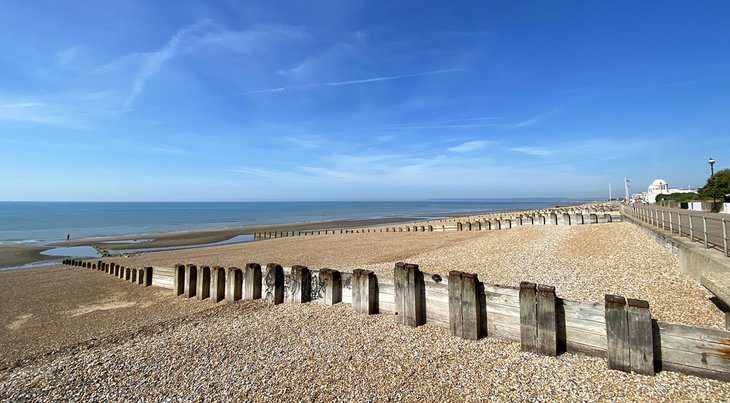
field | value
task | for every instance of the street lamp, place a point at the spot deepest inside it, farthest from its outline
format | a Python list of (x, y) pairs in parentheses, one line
[(712, 174)]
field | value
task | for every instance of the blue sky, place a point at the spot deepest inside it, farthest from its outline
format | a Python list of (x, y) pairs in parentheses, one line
[(355, 100)]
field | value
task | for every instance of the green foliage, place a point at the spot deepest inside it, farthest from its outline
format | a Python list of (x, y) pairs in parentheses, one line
[(717, 186), (678, 197)]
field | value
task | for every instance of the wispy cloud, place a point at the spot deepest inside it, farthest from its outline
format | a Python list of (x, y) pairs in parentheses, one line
[(66, 56), (536, 151), (348, 82), (396, 77), (251, 39), (306, 141), (469, 146), (263, 173), (21, 105), (266, 91), (155, 60), (199, 34), (384, 138)]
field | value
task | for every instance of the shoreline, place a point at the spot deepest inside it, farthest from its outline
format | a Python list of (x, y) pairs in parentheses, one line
[(14, 256), (21, 256)]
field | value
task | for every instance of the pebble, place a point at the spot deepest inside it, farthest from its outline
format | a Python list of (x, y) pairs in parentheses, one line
[(282, 353)]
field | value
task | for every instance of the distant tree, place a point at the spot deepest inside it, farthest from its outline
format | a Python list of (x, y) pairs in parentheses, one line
[(717, 186)]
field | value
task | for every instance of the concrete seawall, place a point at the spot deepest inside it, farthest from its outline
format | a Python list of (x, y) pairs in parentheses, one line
[(708, 266)]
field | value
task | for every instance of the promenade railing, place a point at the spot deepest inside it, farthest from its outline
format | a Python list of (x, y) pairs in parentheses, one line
[(711, 231)]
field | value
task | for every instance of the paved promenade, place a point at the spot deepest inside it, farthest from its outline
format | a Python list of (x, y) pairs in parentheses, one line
[(700, 226)]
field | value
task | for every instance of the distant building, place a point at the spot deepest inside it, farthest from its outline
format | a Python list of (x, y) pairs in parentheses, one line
[(661, 187)]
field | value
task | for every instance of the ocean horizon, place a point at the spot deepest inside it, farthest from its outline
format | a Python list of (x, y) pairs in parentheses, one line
[(40, 223)]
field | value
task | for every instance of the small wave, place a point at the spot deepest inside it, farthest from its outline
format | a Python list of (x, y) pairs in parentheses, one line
[(22, 242)]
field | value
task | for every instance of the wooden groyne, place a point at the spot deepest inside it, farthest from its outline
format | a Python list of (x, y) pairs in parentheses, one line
[(621, 330), (489, 222)]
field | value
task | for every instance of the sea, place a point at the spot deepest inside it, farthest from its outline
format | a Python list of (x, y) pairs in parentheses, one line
[(40, 223)]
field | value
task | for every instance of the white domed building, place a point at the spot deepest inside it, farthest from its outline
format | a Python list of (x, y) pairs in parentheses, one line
[(661, 187)]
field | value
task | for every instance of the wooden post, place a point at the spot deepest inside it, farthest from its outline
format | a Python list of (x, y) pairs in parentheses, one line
[(547, 339), (148, 272), (617, 333), (331, 280), (364, 291), (191, 280), (234, 284), (252, 281), (203, 284), (409, 295), (528, 317), (454, 289), (217, 284), (128, 273), (300, 285), (641, 341), (470, 307), (140, 276), (274, 283), (134, 276)]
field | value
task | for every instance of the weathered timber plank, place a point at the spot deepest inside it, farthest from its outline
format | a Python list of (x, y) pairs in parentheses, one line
[(252, 281), (454, 285), (641, 341), (693, 332), (506, 320), (694, 363), (274, 281), (617, 332), (584, 326), (470, 307), (386, 307), (528, 317), (696, 371), (503, 290), (584, 346), (503, 299), (503, 331), (584, 311), (547, 338)]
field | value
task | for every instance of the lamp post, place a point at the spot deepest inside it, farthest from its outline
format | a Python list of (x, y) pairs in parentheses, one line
[(712, 173)]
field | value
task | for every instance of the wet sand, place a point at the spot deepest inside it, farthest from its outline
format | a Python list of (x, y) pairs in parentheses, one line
[(16, 255), (50, 310)]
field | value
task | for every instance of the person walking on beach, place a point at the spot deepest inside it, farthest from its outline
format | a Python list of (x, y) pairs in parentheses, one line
[(68, 237)]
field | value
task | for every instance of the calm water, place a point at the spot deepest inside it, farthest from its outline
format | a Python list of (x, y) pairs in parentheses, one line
[(40, 222)]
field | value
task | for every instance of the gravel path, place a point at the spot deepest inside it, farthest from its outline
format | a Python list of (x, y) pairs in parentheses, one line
[(583, 262), (253, 351)]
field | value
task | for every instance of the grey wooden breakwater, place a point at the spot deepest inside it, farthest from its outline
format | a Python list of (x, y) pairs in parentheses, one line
[(483, 224), (620, 330)]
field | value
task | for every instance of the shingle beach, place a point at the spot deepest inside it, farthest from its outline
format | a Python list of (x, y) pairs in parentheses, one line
[(109, 340)]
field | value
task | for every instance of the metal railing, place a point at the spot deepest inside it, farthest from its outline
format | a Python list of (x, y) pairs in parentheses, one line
[(686, 224)]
